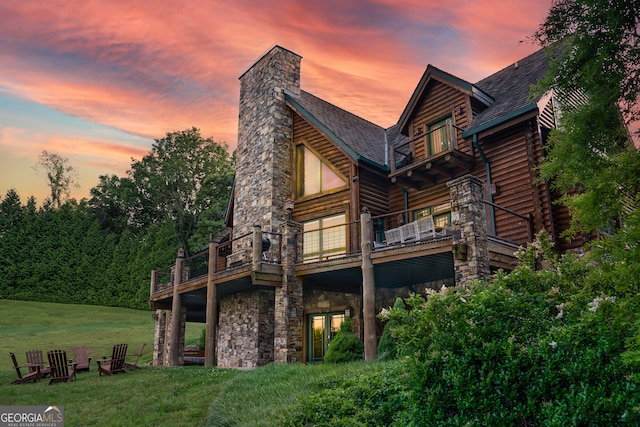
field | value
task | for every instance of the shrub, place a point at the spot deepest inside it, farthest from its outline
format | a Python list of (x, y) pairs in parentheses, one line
[(387, 348), (533, 347), (200, 344), (353, 397), (345, 347)]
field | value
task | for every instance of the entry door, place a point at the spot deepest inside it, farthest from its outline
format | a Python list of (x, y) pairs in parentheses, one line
[(322, 328)]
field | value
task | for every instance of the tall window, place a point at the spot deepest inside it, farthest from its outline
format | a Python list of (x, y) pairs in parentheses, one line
[(441, 214), (313, 175), (437, 137), (324, 238)]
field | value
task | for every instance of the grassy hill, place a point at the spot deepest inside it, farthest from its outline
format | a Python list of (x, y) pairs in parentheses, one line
[(158, 396)]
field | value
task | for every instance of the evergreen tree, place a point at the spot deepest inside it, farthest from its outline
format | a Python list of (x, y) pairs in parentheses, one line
[(345, 347)]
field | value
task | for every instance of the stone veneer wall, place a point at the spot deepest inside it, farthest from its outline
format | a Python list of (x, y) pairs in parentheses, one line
[(265, 125), (469, 223), (160, 317), (289, 302), (317, 301), (245, 330)]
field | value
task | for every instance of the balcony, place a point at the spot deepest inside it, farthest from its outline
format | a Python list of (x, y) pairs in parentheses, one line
[(429, 158)]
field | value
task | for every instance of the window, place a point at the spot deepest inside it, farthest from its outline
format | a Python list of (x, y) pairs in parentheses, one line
[(324, 238), (437, 140), (441, 214), (322, 328), (313, 175)]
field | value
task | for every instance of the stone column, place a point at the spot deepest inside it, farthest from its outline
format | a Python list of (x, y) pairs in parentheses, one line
[(160, 317), (167, 337), (211, 313), (469, 222), (368, 287), (176, 309), (289, 306), (257, 248)]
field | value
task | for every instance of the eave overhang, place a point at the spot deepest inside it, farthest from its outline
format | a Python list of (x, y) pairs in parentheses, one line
[(357, 158), (532, 107)]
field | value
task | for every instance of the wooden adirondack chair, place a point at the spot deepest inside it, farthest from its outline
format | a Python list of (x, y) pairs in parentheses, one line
[(81, 357), (35, 360), (62, 370), (31, 376), (115, 365), (134, 366)]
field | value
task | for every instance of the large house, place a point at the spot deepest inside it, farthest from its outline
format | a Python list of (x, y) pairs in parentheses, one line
[(333, 216)]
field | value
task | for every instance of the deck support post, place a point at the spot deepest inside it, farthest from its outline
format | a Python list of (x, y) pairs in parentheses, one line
[(469, 223), (368, 287), (211, 314), (176, 310)]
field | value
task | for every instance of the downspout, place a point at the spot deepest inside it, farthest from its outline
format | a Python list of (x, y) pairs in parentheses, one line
[(386, 148), (405, 215), (492, 216)]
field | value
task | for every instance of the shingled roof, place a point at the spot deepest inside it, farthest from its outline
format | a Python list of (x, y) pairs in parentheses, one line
[(360, 138), (509, 88), (363, 140)]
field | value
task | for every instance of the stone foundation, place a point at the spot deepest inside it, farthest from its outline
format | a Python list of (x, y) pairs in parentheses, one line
[(245, 330)]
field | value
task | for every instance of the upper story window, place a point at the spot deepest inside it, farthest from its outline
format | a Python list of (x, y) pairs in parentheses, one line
[(313, 175), (438, 136), (441, 214), (324, 238)]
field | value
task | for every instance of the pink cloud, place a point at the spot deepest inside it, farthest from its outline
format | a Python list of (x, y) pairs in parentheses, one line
[(148, 68)]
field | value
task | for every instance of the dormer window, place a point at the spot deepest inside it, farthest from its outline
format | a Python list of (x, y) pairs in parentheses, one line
[(314, 176)]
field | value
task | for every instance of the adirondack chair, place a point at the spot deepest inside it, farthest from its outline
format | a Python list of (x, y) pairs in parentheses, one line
[(35, 360), (62, 370), (31, 376), (134, 366), (115, 365), (81, 357)]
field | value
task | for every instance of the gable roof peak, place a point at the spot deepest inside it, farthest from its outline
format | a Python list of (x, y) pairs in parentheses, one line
[(434, 73)]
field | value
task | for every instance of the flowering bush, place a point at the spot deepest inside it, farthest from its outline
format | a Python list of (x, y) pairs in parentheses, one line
[(541, 345)]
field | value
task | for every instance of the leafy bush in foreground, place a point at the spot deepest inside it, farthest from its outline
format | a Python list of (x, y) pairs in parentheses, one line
[(353, 398), (533, 347), (387, 347)]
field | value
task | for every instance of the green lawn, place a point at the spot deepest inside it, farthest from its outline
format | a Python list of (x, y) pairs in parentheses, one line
[(154, 396)]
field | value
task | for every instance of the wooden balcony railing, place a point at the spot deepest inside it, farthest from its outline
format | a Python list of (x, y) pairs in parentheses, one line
[(430, 144), (229, 255)]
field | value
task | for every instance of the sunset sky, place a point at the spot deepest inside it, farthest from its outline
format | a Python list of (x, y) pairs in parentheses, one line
[(97, 81)]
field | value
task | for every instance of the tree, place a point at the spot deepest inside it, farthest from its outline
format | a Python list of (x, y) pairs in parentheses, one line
[(182, 177), (113, 202), (590, 158), (61, 176)]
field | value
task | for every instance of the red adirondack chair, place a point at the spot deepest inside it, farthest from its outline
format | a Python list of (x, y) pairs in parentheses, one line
[(31, 376), (115, 365), (62, 370)]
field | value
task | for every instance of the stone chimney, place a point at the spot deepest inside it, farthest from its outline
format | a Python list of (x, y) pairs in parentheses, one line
[(263, 162)]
